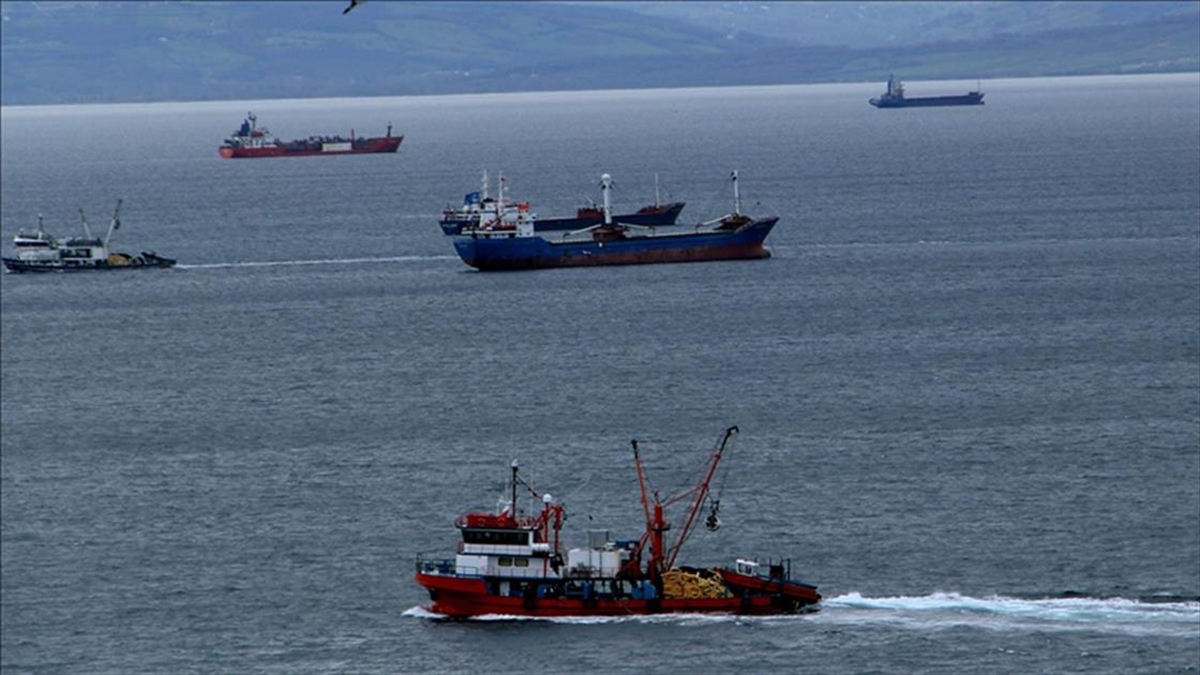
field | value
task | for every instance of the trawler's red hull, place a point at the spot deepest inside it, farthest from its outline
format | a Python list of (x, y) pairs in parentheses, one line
[(465, 597)]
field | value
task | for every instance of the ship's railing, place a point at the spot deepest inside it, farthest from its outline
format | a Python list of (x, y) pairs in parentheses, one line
[(442, 566), (503, 549), (773, 569), (447, 567)]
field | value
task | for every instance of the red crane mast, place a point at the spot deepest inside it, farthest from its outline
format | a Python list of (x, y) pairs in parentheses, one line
[(662, 560)]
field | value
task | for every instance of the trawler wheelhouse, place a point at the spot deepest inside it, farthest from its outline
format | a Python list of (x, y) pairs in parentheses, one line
[(33, 242), (507, 544)]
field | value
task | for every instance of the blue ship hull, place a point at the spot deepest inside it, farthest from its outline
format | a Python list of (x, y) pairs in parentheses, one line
[(885, 101), (536, 252)]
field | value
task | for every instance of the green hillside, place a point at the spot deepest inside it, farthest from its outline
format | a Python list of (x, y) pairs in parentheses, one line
[(64, 52)]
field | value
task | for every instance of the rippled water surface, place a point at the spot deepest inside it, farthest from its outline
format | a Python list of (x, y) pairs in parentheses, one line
[(968, 380)]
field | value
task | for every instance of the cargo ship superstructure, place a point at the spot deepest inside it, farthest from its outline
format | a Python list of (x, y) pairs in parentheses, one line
[(466, 217), (512, 563)]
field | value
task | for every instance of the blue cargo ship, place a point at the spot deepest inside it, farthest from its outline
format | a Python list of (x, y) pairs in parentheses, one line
[(508, 243), (894, 98)]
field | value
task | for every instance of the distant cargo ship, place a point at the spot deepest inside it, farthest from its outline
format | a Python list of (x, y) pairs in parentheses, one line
[(895, 98), (501, 243), (250, 140), (477, 204)]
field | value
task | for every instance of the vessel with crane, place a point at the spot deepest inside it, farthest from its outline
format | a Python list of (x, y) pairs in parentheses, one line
[(38, 251), (512, 562)]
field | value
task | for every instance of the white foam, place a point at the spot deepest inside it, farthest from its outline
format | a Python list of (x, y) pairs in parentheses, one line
[(420, 612), (1106, 615), (938, 611), (680, 619), (330, 261)]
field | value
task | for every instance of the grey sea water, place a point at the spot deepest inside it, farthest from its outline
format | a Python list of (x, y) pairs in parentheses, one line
[(968, 380)]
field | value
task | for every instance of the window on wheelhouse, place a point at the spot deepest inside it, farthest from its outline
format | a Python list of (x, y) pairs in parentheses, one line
[(498, 537)]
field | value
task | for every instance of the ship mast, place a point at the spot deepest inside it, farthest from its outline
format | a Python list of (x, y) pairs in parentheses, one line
[(114, 225), (661, 559), (87, 231), (655, 526), (513, 506), (737, 195), (701, 493), (605, 186)]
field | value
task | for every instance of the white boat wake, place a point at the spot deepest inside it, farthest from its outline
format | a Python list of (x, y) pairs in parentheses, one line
[(330, 261), (942, 610), (946, 610)]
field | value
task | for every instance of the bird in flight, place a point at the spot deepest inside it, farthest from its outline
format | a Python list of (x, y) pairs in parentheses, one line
[(353, 4)]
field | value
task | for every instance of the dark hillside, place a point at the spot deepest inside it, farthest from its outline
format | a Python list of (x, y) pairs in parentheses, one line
[(68, 52)]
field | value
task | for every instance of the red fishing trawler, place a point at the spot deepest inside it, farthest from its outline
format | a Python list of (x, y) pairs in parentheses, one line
[(251, 140), (512, 563)]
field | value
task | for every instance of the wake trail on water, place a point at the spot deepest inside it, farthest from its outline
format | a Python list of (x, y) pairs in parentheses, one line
[(328, 261), (939, 611), (943, 610)]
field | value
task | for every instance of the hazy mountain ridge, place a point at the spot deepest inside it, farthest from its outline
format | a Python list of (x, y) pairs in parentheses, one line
[(862, 24), (66, 52)]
